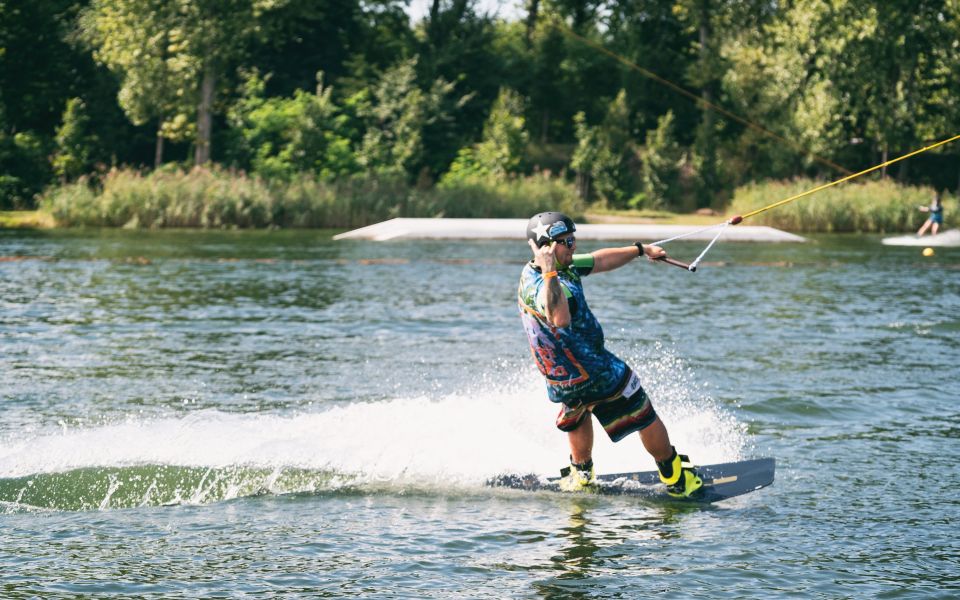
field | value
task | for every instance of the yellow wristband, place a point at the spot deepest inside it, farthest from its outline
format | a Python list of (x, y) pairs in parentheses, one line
[(550, 274)]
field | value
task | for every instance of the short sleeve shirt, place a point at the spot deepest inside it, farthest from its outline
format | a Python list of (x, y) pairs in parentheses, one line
[(573, 360)]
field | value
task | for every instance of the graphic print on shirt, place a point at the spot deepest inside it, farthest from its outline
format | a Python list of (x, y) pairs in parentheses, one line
[(573, 360), (557, 369)]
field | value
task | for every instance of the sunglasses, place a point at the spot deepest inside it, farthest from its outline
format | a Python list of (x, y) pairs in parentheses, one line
[(568, 242)]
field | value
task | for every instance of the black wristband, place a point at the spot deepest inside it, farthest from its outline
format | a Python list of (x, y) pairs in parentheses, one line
[(639, 247)]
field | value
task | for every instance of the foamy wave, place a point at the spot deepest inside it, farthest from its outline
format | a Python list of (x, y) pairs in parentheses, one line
[(462, 437)]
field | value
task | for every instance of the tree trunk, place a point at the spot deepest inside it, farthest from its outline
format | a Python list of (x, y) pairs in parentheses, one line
[(903, 171), (533, 7), (706, 145), (158, 151), (205, 117), (583, 185), (883, 160)]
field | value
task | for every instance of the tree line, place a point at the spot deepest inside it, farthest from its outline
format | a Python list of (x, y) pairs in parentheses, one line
[(637, 103)]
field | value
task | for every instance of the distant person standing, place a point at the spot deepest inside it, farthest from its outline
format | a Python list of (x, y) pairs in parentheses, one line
[(935, 220)]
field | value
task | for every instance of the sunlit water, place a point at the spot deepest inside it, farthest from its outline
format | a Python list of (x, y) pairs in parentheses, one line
[(190, 414)]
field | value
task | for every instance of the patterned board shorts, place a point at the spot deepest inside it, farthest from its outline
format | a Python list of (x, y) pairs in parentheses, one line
[(621, 415)]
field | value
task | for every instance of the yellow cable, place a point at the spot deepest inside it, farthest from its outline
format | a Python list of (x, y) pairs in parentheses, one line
[(847, 178)]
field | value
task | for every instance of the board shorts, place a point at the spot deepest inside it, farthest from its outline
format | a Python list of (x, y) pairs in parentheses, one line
[(937, 218), (628, 411)]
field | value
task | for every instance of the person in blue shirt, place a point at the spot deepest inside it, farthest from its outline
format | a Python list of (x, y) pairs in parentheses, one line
[(585, 378), (935, 220)]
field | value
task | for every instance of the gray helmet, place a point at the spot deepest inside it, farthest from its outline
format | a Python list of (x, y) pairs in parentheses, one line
[(545, 227)]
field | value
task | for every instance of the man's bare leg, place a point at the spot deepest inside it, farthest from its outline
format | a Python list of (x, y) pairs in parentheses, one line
[(581, 440), (657, 441)]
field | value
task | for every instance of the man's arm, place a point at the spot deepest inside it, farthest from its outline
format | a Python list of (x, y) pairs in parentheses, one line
[(557, 307), (555, 301), (608, 259)]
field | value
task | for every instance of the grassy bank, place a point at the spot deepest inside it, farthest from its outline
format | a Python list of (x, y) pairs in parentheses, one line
[(216, 198), (26, 219), (869, 207)]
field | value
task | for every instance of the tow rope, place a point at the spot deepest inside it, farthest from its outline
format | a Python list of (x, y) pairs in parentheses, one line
[(692, 267)]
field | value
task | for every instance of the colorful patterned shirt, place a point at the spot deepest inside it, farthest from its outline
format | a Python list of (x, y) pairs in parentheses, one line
[(573, 360)]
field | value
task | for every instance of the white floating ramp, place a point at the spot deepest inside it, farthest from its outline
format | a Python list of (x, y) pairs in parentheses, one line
[(945, 239), (412, 229)]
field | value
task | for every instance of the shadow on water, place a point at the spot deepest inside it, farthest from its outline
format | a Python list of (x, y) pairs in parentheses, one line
[(594, 549)]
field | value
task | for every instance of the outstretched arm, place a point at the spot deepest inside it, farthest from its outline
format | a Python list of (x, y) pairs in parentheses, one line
[(608, 259)]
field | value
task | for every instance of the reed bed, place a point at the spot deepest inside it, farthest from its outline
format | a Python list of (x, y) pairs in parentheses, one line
[(220, 198), (880, 206)]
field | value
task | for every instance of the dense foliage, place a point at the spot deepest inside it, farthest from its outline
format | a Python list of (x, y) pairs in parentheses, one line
[(625, 103)]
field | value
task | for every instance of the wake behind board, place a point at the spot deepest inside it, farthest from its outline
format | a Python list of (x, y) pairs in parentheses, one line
[(720, 481)]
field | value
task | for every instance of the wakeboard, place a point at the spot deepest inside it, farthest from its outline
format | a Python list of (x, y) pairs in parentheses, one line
[(720, 481)]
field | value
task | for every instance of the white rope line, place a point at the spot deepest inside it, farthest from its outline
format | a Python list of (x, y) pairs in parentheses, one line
[(693, 265), (689, 233)]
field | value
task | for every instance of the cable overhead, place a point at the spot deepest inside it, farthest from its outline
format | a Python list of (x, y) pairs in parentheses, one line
[(697, 99)]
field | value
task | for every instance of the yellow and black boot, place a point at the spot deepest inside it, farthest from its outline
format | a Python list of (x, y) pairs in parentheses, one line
[(578, 477), (679, 476)]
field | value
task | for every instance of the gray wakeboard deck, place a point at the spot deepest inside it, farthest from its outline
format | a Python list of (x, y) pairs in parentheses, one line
[(720, 481)]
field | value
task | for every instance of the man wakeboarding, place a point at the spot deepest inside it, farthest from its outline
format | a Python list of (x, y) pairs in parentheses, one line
[(581, 374)]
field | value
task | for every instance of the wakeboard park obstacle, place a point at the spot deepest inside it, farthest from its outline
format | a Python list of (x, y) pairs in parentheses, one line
[(506, 229), (944, 239)]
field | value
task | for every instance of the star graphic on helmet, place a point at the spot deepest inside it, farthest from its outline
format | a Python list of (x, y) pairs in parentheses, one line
[(540, 230)]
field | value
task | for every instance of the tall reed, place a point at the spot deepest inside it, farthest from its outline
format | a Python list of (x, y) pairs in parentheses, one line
[(218, 198), (880, 206)]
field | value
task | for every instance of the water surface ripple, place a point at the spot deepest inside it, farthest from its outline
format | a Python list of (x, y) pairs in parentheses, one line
[(193, 414)]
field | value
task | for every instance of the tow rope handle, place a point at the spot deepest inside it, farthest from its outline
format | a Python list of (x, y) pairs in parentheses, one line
[(677, 263)]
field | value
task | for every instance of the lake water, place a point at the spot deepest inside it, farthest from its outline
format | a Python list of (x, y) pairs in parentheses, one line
[(197, 414)]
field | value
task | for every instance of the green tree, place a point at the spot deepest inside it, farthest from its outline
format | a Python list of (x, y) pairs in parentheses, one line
[(501, 151), (504, 135), (172, 56), (550, 97), (216, 34), (457, 45), (397, 115), (41, 67), (23, 168), (145, 44), (601, 156), (655, 36), (849, 82), (783, 75), (895, 47), (711, 23), (661, 160), (75, 142), (305, 133), (349, 40)]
